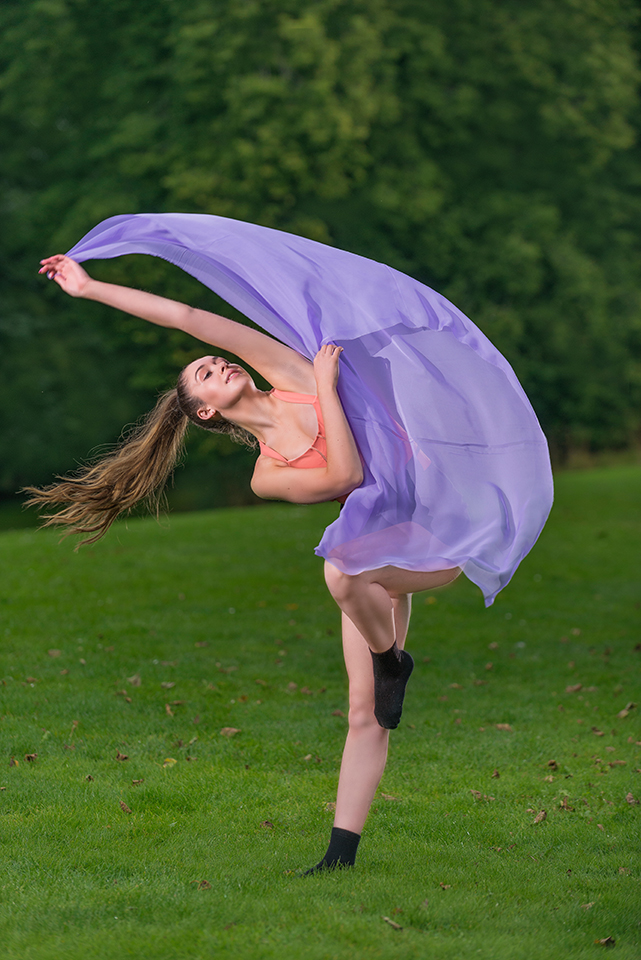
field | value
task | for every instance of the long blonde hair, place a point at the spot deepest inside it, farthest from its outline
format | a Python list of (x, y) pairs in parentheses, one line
[(135, 471)]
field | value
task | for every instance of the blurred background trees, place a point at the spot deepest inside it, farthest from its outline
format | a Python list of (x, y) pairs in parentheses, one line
[(487, 147)]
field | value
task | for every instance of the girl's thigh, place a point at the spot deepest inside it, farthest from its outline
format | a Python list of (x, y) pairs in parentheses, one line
[(398, 581)]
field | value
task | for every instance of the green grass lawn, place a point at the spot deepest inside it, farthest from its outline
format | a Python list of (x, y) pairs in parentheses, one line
[(139, 830)]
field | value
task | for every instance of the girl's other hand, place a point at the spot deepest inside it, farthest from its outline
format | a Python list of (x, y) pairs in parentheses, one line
[(326, 365), (68, 274)]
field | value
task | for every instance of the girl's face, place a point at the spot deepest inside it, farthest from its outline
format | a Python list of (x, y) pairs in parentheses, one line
[(218, 383)]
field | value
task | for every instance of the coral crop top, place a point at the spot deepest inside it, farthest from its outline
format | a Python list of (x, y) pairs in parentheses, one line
[(314, 456)]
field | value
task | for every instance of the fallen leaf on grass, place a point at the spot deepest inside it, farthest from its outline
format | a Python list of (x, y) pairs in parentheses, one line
[(495, 775), (124, 807), (169, 762), (388, 796), (204, 885), (442, 699), (617, 763), (32, 679), (549, 779), (30, 757), (624, 870), (587, 906), (136, 783), (600, 826), (606, 942), (553, 765), (493, 646), (267, 823), (13, 762), (89, 778), (479, 683), (489, 666), (292, 686), (540, 817), (504, 726), (306, 691), (445, 886), (229, 732), (337, 713), (307, 757), (621, 715), (121, 756), (54, 653), (135, 681), (63, 673), (564, 805), (456, 686), (167, 684), (392, 923), (201, 643), (168, 710), (630, 799), (330, 806), (574, 688), (597, 732), (262, 683), (480, 796)]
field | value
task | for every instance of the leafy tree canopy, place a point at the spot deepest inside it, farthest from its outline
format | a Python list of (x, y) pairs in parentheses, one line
[(487, 148)]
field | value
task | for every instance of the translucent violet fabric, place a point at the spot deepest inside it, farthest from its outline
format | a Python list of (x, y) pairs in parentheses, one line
[(457, 471)]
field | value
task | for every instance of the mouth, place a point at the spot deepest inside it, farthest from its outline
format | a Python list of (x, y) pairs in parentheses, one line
[(231, 375)]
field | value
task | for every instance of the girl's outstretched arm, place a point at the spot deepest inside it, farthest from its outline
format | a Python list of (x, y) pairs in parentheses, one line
[(283, 367)]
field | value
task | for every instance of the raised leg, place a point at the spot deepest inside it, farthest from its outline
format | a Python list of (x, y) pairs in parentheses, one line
[(367, 597)]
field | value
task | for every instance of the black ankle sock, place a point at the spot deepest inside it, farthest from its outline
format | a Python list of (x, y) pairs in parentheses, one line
[(341, 852), (392, 670)]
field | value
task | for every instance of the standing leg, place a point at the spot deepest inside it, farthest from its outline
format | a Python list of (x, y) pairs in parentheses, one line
[(365, 751)]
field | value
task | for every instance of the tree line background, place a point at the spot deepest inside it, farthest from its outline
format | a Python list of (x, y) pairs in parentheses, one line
[(489, 148)]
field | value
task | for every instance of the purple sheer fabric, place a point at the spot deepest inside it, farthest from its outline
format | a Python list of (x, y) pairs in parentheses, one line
[(457, 467)]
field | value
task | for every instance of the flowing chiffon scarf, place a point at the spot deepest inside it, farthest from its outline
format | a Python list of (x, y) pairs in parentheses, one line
[(457, 468)]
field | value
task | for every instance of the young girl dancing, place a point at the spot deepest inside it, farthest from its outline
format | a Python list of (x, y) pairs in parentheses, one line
[(414, 515)]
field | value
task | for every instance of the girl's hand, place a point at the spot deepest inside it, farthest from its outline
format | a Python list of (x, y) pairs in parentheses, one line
[(326, 366), (68, 274)]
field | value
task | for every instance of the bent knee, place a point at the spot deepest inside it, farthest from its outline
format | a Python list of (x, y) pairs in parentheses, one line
[(340, 585)]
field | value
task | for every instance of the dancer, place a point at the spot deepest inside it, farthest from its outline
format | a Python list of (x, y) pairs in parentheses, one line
[(412, 519)]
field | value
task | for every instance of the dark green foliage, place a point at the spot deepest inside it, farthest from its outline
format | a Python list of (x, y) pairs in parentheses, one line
[(486, 148)]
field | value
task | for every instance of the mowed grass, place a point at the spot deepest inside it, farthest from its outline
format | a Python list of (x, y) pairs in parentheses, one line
[(169, 634)]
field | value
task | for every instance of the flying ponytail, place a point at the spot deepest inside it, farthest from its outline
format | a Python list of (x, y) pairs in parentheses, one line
[(135, 471)]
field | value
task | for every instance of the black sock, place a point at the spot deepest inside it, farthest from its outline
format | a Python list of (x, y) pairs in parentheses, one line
[(392, 670), (341, 852)]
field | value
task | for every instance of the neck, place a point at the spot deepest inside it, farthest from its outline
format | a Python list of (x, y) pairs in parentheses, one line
[(255, 413)]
